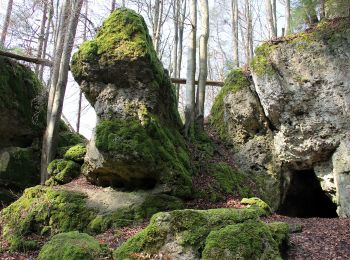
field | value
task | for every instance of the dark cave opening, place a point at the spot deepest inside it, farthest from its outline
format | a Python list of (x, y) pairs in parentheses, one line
[(305, 198)]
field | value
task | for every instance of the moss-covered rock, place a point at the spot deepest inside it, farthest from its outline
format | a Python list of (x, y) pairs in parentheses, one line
[(249, 240), (21, 113), (67, 139), (137, 142), (19, 168), (235, 81), (62, 171), (72, 246), (182, 234), (256, 202), (76, 153), (47, 211)]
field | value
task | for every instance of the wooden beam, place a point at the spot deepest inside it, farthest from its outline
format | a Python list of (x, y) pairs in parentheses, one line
[(26, 58), (209, 82)]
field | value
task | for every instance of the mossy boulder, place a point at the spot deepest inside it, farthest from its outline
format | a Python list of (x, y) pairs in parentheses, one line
[(137, 143), (248, 240), (47, 211), (76, 153), (256, 202), (19, 168), (21, 105), (184, 234), (72, 246), (62, 171)]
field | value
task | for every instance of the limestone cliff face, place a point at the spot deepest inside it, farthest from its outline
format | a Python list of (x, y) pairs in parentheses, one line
[(303, 86), (137, 141)]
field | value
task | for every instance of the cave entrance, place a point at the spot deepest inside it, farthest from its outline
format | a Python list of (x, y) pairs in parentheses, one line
[(305, 198)]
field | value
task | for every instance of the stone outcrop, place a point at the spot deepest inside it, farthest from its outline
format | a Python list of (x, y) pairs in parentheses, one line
[(298, 110), (136, 143), (208, 234)]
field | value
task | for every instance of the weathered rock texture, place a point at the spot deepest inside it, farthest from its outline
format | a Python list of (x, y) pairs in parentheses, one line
[(137, 141), (302, 85)]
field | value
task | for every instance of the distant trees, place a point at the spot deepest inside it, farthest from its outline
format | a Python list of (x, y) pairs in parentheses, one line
[(235, 36)]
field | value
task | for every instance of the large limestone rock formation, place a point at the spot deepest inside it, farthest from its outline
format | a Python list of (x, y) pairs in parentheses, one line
[(299, 109), (137, 143)]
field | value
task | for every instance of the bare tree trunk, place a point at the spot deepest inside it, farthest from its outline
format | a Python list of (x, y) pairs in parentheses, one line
[(46, 38), (288, 18), (191, 71), (84, 39), (234, 4), (159, 26), (322, 9), (155, 22), (41, 36), (274, 9), (249, 51), (203, 63), (6, 22), (176, 13), (123, 3), (112, 6), (269, 13), (180, 48), (72, 10)]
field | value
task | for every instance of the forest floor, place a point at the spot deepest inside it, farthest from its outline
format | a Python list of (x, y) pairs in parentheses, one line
[(319, 238)]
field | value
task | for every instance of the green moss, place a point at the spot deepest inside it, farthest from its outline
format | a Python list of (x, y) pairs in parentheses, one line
[(48, 211), (256, 202), (158, 149), (76, 153), (123, 37), (18, 88), (22, 168), (235, 81), (44, 210), (280, 233), (261, 63), (62, 171), (72, 246), (249, 240), (188, 227), (328, 32)]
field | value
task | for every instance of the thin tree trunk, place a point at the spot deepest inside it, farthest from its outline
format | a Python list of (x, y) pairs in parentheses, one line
[(6, 22), (59, 85), (203, 63), (322, 9), (269, 14), (155, 22), (249, 31), (191, 71), (47, 35), (112, 6), (123, 3), (84, 39), (274, 9), (176, 13), (235, 32), (159, 27), (41, 36), (180, 48), (288, 17)]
